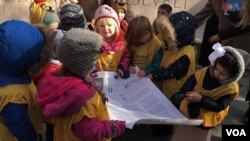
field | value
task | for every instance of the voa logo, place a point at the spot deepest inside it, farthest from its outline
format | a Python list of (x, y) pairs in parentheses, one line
[(236, 132)]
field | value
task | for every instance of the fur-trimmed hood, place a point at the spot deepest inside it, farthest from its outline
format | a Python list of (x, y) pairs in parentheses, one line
[(24, 49), (240, 65), (165, 32)]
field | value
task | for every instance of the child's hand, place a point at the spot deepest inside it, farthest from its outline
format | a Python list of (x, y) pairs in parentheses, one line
[(193, 96), (150, 76), (121, 72), (132, 70), (214, 38), (141, 73)]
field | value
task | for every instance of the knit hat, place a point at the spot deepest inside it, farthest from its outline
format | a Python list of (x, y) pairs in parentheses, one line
[(119, 4), (50, 17), (71, 15), (184, 24), (37, 11), (105, 11), (79, 50)]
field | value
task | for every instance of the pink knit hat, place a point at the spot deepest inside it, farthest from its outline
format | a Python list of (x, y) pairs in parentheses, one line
[(105, 11)]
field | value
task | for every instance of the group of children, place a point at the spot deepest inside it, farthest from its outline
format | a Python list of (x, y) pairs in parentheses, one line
[(67, 98)]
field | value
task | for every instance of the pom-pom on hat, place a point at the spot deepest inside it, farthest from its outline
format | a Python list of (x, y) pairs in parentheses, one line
[(39, 1), (71, 15), (79, 50), (105, 11), (184, 24), (119, 4)]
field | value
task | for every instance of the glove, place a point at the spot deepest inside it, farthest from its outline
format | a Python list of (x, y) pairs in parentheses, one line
[(117, 127), (121, 72)]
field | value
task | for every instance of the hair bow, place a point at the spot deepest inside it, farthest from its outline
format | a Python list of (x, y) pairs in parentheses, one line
[(218, 52)]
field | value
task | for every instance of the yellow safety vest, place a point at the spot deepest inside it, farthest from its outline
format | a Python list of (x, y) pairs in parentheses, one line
[(93, 108), (171, 86), (210, 118), (109, 61), (144, 54), (20, 94)]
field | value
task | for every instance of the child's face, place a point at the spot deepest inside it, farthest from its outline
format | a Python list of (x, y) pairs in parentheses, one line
[(121, 14), (145, 38), (162, 12), (220, 72), (107, 29)]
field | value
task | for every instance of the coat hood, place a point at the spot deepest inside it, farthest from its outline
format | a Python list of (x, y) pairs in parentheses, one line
[(240, 65), (62, 95), (21, 45)]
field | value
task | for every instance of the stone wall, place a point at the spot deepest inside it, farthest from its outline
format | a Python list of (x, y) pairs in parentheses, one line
[(18, 9)]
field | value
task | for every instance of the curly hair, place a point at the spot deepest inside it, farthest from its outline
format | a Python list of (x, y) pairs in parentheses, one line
[(47, 52), (229, 62)]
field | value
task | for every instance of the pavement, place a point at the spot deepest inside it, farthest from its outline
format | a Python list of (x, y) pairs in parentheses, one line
[(235, 117)]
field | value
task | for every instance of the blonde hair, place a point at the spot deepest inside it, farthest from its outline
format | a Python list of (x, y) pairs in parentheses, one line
[(164, 28), (105, 21), (245, 14)]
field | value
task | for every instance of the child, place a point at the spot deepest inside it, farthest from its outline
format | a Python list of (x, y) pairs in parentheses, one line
[(164, 9), (71, 15), (42, 12), (178, 62), (208, 93), (120, 7), (146, 49), (114, 56), (67, 97), (23, 53)]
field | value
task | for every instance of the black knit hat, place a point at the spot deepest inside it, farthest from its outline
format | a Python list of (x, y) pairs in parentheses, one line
[(184, 24), (71, 15), (79, 50)]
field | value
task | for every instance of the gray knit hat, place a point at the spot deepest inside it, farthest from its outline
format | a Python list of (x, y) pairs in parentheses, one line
[(71, 15), (79, 50)]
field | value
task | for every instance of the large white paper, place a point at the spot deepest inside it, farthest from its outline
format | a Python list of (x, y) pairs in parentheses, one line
[(138, 100)]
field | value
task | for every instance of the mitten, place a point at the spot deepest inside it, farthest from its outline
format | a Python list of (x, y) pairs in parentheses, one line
[(117, 127), (121, 72)]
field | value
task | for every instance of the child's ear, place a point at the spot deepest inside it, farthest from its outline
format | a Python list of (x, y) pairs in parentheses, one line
[(93, 22), (92, 25)]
